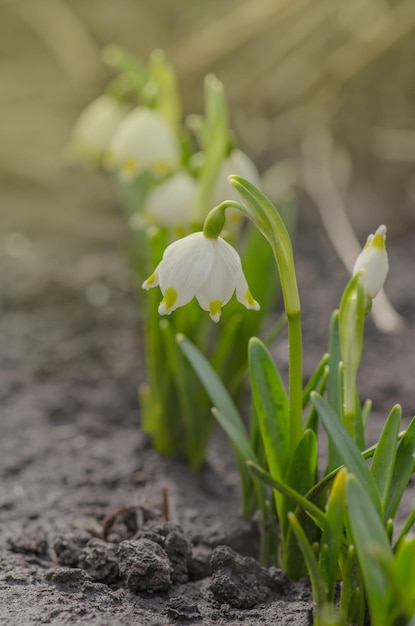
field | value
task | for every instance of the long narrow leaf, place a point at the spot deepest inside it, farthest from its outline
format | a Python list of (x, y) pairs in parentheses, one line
[(369, 536), (271, 405), (346, 449), (244, 455), (385, 453), (215, 389), (317, 582), (197, 425), (315, 513), (228, 416), (404, 467), (332, 537), (315, 379)]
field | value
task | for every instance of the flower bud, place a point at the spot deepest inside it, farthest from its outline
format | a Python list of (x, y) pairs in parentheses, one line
[(170, 203), (373, 262), (144, 141), (95, 127)]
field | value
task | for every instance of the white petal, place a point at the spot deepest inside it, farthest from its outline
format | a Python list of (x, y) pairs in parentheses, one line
[(152, 280), (232, 259), (185, 265), (171, 203), (237, 163), (219, 285), (144, 140), (96, 125)]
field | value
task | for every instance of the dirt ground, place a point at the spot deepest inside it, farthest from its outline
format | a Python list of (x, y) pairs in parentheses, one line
[(78, 477)]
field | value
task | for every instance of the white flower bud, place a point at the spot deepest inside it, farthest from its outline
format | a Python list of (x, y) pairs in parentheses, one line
[(144, 141), (373, 261), (95, 127), (239, 164), (208, 269), (170, 203)]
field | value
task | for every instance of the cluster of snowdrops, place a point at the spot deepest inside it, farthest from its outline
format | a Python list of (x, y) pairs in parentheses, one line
[(336, 524)]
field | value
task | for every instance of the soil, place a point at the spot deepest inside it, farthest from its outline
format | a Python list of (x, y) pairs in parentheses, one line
[(83, 539)]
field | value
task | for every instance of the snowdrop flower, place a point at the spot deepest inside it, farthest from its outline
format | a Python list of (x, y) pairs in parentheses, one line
[(95, 127), (144, 141), (209, 269), (239, 164), (170, 203), (373, 260)]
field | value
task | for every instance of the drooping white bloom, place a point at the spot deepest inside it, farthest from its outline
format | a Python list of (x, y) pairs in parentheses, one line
[(144, 141), (237, 163), (373, 260), (95, 127), (170, 203), (209, 269)]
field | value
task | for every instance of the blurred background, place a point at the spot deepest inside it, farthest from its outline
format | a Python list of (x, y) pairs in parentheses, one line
[(325, 86)]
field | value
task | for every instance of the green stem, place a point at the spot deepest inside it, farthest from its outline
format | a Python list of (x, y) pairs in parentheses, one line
[(295, 378), (267, 219)]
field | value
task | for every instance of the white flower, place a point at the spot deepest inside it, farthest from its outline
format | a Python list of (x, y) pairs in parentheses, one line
[(209, 269), (144, 141), (95, 127), (373, 260), (170, 203), (237, 163)]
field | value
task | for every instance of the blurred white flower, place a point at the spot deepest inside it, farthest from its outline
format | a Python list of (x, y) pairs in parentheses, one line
[(144, 141), (373, 260), (95, 127), (237, 163), (170, 203), (209, 269)]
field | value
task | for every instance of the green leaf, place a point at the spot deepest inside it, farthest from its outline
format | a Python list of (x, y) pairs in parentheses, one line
[(385, 453), (197, 424), (333, 533), (315, 379), (301, 475), (215, 389), (317, 582), (404, 467), (346, 449), (403, 575), (271, 405), (228, 417), (369, 537), (314, 512), (333, 384), (243, 454)]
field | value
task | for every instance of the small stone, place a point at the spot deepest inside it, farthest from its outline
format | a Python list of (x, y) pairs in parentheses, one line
[(70, 580), (199, 562), (238, 580), (172, 539), (99, 560), (144, 566), (183, 609), (68, 548), (30, 542)]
